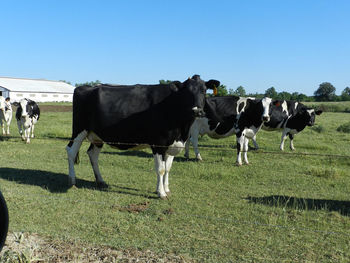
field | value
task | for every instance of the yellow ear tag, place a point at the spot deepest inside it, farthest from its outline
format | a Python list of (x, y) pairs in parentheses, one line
[(215, 91)]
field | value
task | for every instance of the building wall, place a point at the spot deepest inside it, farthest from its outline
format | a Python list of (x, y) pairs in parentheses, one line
[(41, 97)]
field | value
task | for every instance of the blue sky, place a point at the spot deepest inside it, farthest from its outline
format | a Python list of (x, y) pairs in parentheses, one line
[(290, 45)]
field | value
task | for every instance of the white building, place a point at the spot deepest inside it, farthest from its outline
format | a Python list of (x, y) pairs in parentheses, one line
[(39, 90)]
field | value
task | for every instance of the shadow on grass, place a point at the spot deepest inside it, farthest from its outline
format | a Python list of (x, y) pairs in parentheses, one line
[(58, 182), (343, 207)]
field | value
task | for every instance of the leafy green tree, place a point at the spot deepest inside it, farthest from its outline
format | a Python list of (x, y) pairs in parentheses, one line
[(284, 95), (345, 95), (271, 92), (66, 82), (240, 91), (162, 81), (325, 92), (91, 83)]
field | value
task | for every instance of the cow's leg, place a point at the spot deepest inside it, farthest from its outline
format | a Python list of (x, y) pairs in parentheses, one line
[(8, 122), (255, 143), (27, 133), (283, 138), (168, 163), (72, 151), (187, 148), (2, 123), (160, 170), (291, 137), (19, 125), (245, 150), (93, 152), (240, 143), (194, 140), (32, 130)]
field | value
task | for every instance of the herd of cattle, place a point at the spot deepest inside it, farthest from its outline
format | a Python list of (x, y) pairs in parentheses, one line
[(27, 115), (165, 117)]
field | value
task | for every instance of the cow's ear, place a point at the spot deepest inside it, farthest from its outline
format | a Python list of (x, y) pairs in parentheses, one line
[(176, 85), (212, 84), (318, 112)]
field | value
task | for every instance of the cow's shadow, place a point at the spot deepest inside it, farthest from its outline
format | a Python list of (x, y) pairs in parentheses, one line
[(58, 182), (343, 207)]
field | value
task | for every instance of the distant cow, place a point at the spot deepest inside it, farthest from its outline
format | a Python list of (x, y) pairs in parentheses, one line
[(27, 115), (129, 117), (240, 116), (291, 117), (5, 114)]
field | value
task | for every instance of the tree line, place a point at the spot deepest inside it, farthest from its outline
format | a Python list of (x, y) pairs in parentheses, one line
[(325, 92)]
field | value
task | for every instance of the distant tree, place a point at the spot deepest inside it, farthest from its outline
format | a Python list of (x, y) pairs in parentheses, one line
[(222, 90), (240, 91), (345, 95), (271, 92), (284, 95), (162, 81), (325, 92), (66, 82), (91, 83)]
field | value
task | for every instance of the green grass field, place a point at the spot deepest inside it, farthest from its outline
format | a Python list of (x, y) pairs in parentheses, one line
[(284, 207)]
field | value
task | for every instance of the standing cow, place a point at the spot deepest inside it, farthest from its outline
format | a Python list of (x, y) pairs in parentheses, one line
[(5, 114), (237, 115), (127, 117), (27, 115), (291, 117)]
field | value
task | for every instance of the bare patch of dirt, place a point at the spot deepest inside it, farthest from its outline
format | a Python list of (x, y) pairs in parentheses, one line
[(25, 247)]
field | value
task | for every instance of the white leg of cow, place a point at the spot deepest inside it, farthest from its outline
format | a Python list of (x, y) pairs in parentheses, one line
[(240, 143), (245, 150), (32, 130), (93, 153), (291, 137), (72, 152), (160, 170), (27, 134), (8, 122), (168, 163), (283, 138)]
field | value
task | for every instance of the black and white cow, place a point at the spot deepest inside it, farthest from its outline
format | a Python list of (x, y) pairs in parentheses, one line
[(27, 115), (5, 115), (291, 117), (240, 116), (127, 117)]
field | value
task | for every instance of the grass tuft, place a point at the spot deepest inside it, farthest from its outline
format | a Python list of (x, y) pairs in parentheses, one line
[(344, 128)]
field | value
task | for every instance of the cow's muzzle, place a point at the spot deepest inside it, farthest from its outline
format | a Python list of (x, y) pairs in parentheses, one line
[(198, 112), (266, 118)]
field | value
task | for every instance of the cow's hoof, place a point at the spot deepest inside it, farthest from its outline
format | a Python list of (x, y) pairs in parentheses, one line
[(168, 194), (199, 158), (186, 156), (102, 185), (238, 164)]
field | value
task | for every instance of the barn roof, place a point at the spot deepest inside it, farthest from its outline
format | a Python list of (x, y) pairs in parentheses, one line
[(35, 85)]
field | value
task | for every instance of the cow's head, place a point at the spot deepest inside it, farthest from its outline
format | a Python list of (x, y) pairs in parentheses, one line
[(268, 104), (195, 90), (308, 115), (25, 108)]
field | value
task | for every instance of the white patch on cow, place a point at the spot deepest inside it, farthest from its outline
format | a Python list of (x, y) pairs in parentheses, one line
[(311, 111), (72, 152), (284, 107), (175, 148), (266, 102), (159, 165), (296, 105)]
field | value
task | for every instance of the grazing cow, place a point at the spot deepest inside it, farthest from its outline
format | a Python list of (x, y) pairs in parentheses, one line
[(27, 115), (241, 116), (129, 117), (291, 117), (5, 114)]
